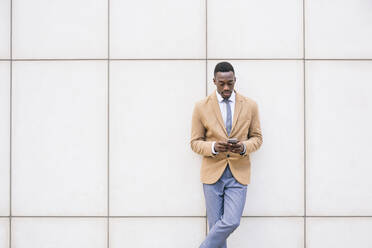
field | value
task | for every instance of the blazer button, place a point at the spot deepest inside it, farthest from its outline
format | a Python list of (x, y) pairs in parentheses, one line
[(228, 155)]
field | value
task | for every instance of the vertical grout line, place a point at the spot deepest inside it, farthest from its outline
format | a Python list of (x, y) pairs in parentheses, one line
[(304, 91), (206, 30), (10, 121), (206, 79), (206, 47), (304, 82), (108, 123)]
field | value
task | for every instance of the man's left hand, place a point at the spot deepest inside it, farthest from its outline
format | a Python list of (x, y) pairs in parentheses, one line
[(236, 148)]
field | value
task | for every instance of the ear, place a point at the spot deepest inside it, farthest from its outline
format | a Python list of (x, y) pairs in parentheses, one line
[(214, 80)]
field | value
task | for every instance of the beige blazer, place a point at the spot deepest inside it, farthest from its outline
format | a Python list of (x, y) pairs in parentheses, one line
[(208, 126)]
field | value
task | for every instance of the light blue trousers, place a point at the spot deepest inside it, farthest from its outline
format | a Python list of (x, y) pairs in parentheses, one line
[(225, 202)]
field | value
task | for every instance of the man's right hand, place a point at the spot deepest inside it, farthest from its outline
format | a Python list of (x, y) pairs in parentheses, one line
[(221, 146)]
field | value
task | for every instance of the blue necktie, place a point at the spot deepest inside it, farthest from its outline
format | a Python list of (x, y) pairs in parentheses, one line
[(228, 117)]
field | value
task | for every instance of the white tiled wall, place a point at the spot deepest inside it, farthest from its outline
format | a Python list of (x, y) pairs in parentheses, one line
[(5, 29), (156, 232), (66, 29), (338, 29), (255, 29), (95, 111), (268, 232), (4, 137), (59, 232), (59, 158), (4, 232), (153, 170), (145, 29), (339, 232), (339, 138)]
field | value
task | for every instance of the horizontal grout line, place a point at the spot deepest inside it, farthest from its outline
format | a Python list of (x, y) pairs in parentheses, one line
[(107, 59), (51, 216), (103, 217), (273, 216), (237, 59), (196, 59), (311, 216), (295, 59), (196, 216), (60, 59), (339, 59), (339, 216)]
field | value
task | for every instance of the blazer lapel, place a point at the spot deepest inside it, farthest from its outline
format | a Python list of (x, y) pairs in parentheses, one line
[(238, 108), (217, 111)]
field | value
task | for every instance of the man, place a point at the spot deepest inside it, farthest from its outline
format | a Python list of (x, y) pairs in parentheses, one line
[(217, 120)]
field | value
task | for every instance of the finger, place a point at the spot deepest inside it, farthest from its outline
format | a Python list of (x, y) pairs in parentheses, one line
[(237, 145), (223, 143), (221, 148)]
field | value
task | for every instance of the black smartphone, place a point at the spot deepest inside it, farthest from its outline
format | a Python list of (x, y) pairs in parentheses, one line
[(232, 140)]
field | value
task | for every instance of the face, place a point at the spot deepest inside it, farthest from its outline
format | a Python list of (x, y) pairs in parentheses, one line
[(224, 82)]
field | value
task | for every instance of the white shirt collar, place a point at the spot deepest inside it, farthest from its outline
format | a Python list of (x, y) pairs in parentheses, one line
[(231, 98)]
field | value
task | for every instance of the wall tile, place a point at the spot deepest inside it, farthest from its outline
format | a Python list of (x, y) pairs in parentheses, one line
[(60, 138), (268, 233), (156, 232), (153, 170), (255, 29), (59, 232), (339, 137), (338, 29), (4, 232), (60, 29), (339, 232), (4, 29), (278, 166), (4, 137), (157, 29)]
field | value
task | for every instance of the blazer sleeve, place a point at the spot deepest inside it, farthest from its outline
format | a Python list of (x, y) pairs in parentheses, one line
[(198, 140), (254, 141)]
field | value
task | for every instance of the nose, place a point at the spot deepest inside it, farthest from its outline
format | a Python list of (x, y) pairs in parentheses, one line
[(226, 87)]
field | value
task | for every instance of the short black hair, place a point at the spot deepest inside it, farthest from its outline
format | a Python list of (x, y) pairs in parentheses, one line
[(223, 67)]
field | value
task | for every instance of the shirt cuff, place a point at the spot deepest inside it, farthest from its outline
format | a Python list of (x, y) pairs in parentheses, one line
[(214, 151), (244, 150)]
